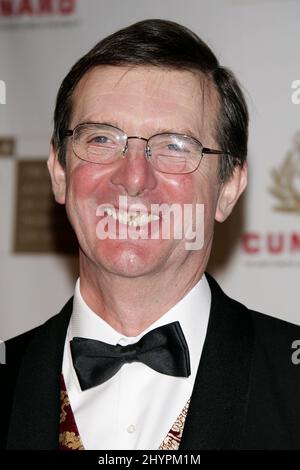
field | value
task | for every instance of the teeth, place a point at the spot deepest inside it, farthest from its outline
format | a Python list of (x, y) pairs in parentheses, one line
[(109, 211), (129, 219)]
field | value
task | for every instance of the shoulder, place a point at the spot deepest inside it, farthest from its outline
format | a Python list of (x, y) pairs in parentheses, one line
[(17, 352), (269, 327), (16, 347), (266, 328)]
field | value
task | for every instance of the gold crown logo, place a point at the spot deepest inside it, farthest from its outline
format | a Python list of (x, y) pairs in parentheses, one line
[(286, 180)]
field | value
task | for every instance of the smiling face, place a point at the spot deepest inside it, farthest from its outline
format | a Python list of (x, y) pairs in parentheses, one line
[(143, 101)]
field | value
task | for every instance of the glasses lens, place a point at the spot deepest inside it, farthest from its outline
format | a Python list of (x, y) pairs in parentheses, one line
[(98, 143), (173, 153)]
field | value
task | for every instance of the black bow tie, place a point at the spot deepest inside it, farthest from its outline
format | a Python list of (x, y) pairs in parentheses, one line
[(164, 349)]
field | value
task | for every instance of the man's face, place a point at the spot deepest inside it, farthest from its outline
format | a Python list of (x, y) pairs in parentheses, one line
[(142, 102)]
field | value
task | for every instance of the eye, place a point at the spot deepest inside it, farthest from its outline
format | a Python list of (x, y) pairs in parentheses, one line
[(102, 141), (174, 147), (177, 147), (99, 139)]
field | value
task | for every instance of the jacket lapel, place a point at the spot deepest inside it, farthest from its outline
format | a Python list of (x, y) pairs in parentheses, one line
[(218, 405), (35, 414)]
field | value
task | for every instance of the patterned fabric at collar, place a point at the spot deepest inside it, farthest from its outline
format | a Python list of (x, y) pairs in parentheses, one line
[(69, 438)]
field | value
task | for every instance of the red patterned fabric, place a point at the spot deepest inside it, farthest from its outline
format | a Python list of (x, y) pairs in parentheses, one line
[(69, 438), (173, 438)]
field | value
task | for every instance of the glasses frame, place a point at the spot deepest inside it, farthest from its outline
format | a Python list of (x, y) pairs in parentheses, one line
[(204, 151)]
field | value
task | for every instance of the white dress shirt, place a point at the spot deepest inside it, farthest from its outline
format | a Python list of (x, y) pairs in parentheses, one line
[(138, 406)]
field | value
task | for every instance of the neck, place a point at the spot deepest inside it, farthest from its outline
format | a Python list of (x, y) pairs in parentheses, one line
[(131, 304)]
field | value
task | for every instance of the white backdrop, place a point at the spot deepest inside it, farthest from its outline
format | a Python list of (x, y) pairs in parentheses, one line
[(259, 40)]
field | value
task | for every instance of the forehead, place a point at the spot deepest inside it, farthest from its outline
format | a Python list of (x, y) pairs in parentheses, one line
[(144, 96)]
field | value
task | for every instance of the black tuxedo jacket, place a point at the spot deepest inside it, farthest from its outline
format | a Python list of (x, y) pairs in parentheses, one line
[(246, 393)]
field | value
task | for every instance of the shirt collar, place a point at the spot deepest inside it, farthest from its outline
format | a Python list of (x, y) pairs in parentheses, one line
[(192, 312)]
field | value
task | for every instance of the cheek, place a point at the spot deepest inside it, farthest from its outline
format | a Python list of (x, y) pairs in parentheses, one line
[(83, 181), (181, 189), (197, 188), (190, 188), (81, 203)]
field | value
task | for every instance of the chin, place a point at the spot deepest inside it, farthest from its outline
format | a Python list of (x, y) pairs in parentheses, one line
[(128, 268), (128, 259)]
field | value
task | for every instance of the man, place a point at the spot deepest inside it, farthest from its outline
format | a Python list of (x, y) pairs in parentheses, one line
[(150, 353)]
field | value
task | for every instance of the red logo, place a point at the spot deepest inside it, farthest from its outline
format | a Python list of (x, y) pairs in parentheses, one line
[(17, 8), (273, 243)]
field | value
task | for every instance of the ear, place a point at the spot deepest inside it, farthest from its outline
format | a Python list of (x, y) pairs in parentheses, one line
[(58, 176), (230, 192)]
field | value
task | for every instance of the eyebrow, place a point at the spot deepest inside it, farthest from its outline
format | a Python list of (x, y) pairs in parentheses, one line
[(161, 130), (181, 130), (106, 123)]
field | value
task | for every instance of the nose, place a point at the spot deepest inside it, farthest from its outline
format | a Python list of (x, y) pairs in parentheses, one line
[(135, 175)]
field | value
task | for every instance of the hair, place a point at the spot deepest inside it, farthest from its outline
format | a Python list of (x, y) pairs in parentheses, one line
[(161, 43)]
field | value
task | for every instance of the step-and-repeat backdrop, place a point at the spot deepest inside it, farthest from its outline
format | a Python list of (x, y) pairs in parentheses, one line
[(256, 255)]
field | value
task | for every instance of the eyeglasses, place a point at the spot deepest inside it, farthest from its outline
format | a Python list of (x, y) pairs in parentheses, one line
[(167, 152)]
